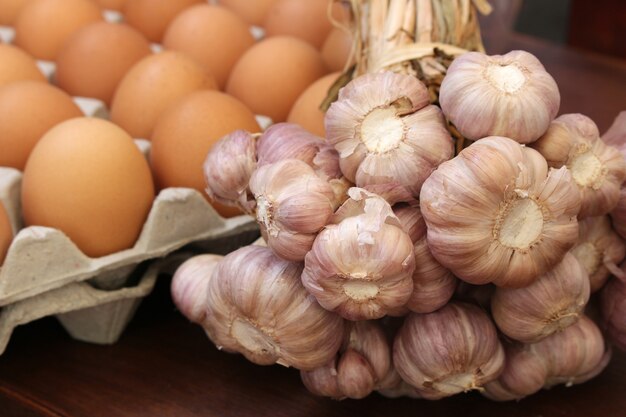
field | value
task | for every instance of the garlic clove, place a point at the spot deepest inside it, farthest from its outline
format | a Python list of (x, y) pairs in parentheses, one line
[(508, 95), (356, 377), (452, 350), (228, 168), (553, 302), (323, 381), (386, 133), (493, 216), (189, 285), (256, 306)]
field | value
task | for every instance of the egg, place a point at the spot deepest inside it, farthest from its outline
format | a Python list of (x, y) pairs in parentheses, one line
[(253, 12), (306, 111), (304, 19), (152, 17), (111, 4), (28, 109), (186, 132), (87, 178), (95, 59), (9, 9), (151, 85), (271, 75), (43, 26), (6, 233), (336, 49), (213, 35), (17, 65)]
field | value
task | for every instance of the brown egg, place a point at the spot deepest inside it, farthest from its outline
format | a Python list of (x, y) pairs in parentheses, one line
[(28, 109), (44, 25), (336, 49), (253, 12), (111, 4), (153, 84), (17, 65), (304, 19), (6, 233), (185, 133), (152, 17), (9, 9), (95, 59), (87, 178), (213, 35), (271, 75), (306, 112)]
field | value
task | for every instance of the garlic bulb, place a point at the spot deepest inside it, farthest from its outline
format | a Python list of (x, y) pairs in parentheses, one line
[(613, 305), (572, 356), (433, 285), (256, 306), (364, 360), (190, 283), (227, 170), (292, 205), (599, 250), (360, 265), (508, 95), (616, 136), (618, 215), (598, 169), (386, 132), (496, 214), (550, 304), (453, 350)]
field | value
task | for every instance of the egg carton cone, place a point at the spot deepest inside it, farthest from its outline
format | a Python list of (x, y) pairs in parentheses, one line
[(87, 313), (41, 259)]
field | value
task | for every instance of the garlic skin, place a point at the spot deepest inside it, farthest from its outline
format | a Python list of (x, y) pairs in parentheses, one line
[(363, 362), (189, 285), (386, 132), (616, 136), (228, 168), (495, 213), (618, 215), (292, 205), (598, 169), (361, 263), (433, 285), (572, 356), (613, 306), (508, 95), (453, 350), (599, 250), (257, 306), (553, 302)]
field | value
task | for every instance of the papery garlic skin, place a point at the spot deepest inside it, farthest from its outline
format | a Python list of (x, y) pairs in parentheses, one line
[(360, 265), (599, 250), (453, 350), (292, 205), (364, 361), (553, 302), (386, 132), (618, 215), (613, 305), (569, 357), (508, 95), (228, 168), (257, 306), (190, 283), (616, 136), (495, 213), (598, 169)]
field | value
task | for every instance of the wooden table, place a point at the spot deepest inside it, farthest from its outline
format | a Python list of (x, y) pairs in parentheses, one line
[(165, 366)]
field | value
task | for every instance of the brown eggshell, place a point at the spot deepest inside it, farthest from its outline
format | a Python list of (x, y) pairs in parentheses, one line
[(336, 49), (152, 17), (17, 65), (186, 132), (212, 35), (96, 58), (272, 74), (43, 26), (253, 12), (111, 4), (6, 233), (9, 9), (151, 85), (87, 178), (306, 111), (28, 109)]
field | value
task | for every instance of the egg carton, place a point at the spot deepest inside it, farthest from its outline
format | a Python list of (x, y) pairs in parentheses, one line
[(87, 313), (41, 259)]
